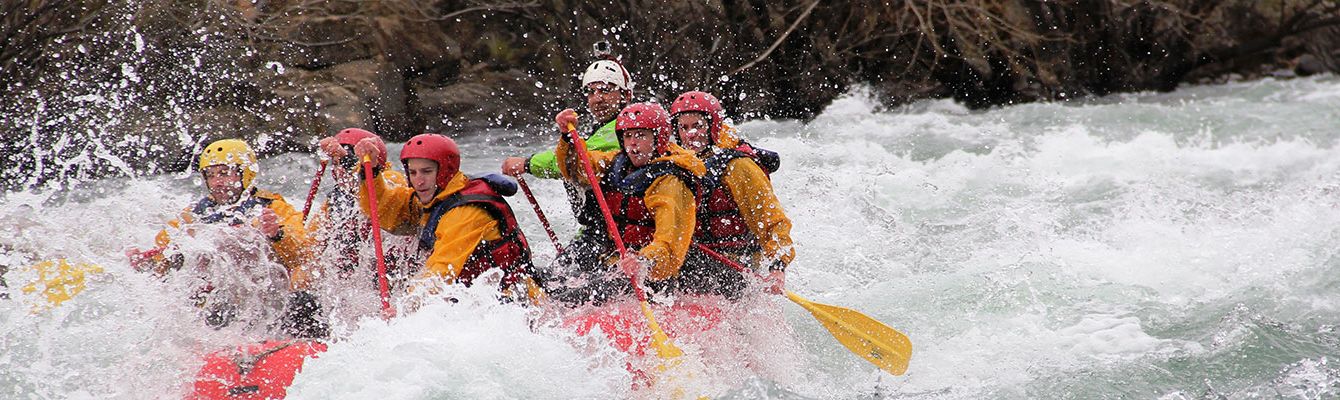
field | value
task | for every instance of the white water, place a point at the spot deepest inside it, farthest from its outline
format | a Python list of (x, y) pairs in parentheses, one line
[(1177, 245)]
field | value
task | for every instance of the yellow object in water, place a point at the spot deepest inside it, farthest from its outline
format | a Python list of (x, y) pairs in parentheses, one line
[(887, 348), (58, 280)]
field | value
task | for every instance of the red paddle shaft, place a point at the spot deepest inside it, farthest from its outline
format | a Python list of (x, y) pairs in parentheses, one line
[(382, 286)]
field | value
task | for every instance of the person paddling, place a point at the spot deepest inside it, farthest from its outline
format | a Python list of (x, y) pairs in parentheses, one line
[(608, 88), (463, 225), (650, 189), (229, 168), (341, 230), (738, 214)]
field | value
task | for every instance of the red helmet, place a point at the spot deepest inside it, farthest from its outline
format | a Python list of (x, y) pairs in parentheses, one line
[(438, 148), (645, 116), (350, 136), (703, 102)]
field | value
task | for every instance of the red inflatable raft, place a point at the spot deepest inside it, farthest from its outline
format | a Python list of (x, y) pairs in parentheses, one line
[(253, 372), (626, 327)]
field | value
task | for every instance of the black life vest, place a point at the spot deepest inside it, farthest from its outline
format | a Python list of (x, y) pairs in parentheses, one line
[(584, 206), (625, 189), (209, 212), (766, 159), (510, 252)]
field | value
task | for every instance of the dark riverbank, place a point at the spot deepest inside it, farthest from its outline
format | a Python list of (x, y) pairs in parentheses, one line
[(97, 87)]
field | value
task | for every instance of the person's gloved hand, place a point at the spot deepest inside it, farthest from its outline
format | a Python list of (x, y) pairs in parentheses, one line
[(154, 260), (143, 260), (565, 119), (775, 281), (514, 166), (633, 265), (332, 149), (268, 223), (372, 147)]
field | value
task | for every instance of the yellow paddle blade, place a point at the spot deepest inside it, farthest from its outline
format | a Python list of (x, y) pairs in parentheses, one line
[(659, 340), (879, 344), (59, 281), (669, 372)]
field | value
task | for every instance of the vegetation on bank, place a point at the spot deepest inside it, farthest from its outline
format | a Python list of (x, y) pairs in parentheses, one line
[(138, 86)]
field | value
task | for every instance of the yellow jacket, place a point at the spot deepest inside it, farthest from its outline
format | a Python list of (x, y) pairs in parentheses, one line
[(672, 204), (459, 231), (292, 248), (752, 190)]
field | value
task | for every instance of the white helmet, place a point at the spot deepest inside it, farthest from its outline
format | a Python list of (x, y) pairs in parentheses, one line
[(608, 71)]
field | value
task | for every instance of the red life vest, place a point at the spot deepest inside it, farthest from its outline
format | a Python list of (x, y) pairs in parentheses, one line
[(625, 186), (721, 227), (510, 252)]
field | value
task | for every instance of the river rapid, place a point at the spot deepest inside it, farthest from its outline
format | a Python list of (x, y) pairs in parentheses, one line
[(1173, 245)]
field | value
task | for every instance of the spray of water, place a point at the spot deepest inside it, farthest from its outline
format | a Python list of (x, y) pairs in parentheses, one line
[(1175, 245)]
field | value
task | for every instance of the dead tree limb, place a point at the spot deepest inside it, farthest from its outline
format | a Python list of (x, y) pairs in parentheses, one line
[(779, 40)]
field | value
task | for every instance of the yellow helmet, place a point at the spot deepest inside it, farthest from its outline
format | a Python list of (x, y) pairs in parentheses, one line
[(231, 152)]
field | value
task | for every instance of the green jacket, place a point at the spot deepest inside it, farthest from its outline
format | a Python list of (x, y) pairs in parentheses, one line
[(544, 165)]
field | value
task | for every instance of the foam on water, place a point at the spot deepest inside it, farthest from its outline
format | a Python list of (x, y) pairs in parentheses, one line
[(473, 349), (1175, 245)]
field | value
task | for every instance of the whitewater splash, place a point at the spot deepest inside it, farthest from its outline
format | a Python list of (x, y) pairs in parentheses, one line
[(1178, 245)]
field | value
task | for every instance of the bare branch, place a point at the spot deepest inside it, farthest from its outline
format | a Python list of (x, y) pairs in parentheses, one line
[(779, 40)]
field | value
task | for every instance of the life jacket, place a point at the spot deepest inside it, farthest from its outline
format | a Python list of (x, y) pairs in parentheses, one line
[(766, 159), (510, 252), (348, 231), (209, 212), (624, 189), (585, 208), (720, 225)]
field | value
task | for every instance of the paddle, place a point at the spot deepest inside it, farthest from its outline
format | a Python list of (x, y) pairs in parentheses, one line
[(311, 193), (539, 213), (877, 343), (382, 286), (659, 340)]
